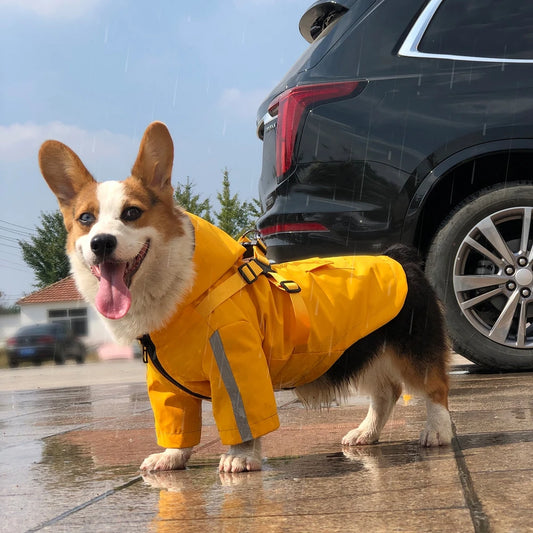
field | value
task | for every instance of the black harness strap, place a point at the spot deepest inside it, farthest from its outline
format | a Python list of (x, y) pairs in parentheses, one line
[(249, 271), (149, 351)]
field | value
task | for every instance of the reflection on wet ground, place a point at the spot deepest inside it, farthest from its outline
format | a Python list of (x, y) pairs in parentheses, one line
[(69, 462)]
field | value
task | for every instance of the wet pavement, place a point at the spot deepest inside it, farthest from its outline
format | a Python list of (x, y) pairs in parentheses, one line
[(72, 438)]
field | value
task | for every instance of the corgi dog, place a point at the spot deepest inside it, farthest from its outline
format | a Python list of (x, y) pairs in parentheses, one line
[(217, 325)]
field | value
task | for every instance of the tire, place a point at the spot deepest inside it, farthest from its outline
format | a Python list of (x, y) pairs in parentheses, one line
[(59, 357), (481, 265), (13, 363), (82, 352)]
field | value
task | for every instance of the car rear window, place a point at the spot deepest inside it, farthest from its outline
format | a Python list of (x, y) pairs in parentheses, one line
[(481, 28), (33, 330)]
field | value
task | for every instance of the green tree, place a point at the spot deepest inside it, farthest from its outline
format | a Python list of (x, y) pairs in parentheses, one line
[(191, 202), (235, 217), (45, 252), (255, 210), (5, 308)]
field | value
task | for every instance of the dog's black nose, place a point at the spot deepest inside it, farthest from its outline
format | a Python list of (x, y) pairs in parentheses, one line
[(103, 245)]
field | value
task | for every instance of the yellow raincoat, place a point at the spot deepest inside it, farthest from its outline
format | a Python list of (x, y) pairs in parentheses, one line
[(235, 343)]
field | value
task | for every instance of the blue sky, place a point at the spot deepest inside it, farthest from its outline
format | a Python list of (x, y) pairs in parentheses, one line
[(94, 73)]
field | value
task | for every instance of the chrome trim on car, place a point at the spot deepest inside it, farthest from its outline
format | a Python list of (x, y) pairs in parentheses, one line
[(409, 48), (262, 124)]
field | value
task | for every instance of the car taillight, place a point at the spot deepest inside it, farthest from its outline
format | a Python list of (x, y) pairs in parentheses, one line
[(290, 106), (45, 339), (301, 227), (11, 341)]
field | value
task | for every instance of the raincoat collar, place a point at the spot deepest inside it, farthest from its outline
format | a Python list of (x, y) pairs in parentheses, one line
[(215, 252)]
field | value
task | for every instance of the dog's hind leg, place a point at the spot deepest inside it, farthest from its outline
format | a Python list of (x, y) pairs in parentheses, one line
[(438, 430), (418, 335), (384, 390), (433, 382)]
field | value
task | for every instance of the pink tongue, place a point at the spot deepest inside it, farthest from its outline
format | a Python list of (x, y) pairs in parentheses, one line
[(113, 299)]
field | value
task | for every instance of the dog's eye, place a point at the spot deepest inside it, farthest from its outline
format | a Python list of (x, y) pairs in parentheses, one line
[(130, 214), (86, 219)]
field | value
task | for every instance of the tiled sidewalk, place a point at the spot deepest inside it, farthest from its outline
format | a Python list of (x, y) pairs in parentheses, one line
[(69, 462)]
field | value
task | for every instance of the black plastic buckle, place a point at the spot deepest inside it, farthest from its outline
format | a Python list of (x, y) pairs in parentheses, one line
[(253, 242), (148, 347), (248, 249), (248, 273), (261, 245), (291, 290)]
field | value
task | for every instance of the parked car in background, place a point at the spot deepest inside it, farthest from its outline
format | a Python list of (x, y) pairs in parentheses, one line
[(412, 121), (44, 342)]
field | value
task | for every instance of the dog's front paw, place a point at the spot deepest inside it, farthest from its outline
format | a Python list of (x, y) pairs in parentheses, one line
[(170, 459), (359, 437), (245, 457), (238, 463)]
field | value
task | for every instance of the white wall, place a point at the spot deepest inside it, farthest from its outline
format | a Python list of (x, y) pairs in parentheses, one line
[(98, 333), (8, 325), (38, 314)]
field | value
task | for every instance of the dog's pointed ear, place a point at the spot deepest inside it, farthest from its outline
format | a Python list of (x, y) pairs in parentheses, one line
[(63, 170), (153, 165)]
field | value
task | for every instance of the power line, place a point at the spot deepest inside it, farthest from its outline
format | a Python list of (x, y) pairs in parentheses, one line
[(9, 246), (13, 268), (16, 263), (12, 254), (17, 225), (12, 299), (16, 231), (10, 296), (10, 239)]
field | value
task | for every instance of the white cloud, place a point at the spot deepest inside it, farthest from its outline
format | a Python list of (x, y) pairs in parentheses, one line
[(53, 8), (106, 154)]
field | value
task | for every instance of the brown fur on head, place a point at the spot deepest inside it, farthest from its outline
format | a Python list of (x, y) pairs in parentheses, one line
[(66, 175), (153, 165), (75, 187), (91, 209)]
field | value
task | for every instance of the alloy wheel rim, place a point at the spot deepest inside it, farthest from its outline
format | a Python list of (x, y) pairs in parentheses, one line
[(493, 277)]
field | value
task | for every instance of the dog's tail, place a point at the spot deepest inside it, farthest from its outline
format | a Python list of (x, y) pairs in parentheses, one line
[(405, 255)]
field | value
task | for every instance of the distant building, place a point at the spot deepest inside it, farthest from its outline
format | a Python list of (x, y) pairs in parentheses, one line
[(62, 302)]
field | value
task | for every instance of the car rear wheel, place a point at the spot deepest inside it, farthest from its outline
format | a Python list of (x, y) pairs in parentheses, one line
[(59, 357), (82, 352), (480, 264)]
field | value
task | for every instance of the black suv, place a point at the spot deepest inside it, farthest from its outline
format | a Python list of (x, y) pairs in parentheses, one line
[(412, 121)]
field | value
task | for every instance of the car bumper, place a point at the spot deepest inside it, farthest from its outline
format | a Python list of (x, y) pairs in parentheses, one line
[(299, 226), (32, 353)]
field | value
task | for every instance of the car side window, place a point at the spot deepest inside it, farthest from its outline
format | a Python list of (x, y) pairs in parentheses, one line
[(60, 330), (481, 28)]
